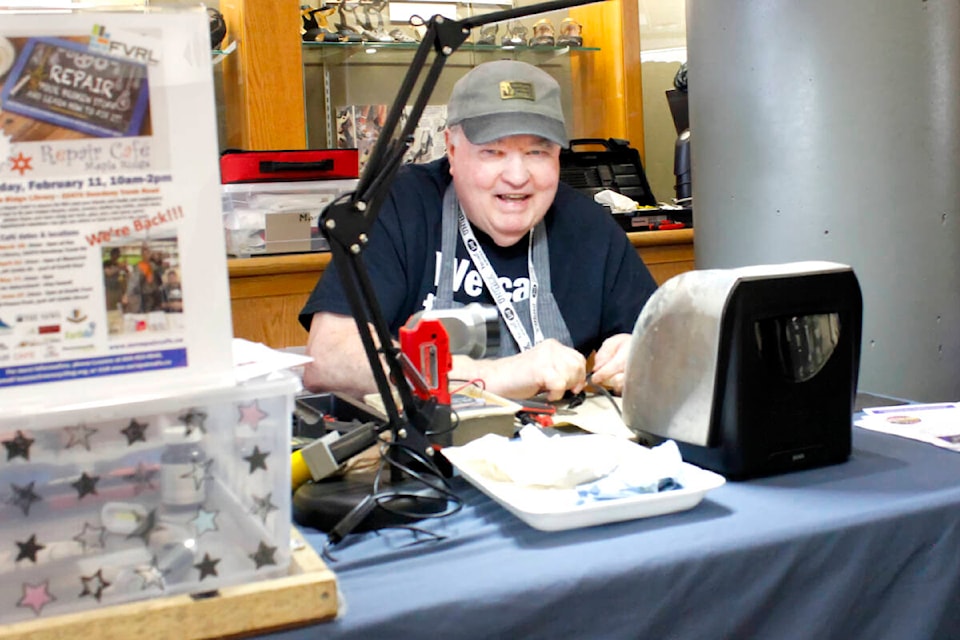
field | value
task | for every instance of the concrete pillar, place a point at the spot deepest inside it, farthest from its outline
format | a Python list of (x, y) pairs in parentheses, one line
[(831, 130)]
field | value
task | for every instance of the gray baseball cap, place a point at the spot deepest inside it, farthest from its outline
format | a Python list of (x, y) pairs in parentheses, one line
[(507, 98)]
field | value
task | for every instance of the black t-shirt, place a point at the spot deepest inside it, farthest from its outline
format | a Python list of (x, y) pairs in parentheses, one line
[(598, 280)]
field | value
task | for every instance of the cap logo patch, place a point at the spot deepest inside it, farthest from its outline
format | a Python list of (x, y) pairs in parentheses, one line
[(516, 90)]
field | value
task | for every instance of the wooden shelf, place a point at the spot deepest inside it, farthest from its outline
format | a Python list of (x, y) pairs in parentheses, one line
[(403, 51), (267, 293)]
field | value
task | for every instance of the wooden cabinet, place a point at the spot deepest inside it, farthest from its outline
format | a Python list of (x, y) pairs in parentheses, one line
[(267, 293), (263, 78), (666, 253)]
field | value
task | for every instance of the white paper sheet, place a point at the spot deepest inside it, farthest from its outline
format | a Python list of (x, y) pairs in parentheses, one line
[(937, 424), (252, 359)]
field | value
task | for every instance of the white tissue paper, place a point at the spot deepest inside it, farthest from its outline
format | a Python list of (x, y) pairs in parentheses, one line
[(617, 202), (599, 467)]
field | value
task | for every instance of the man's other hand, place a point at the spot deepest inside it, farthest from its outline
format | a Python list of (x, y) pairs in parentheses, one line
[(611, 361)]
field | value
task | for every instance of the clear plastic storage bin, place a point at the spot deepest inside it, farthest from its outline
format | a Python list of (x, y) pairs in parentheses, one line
[(262, 218), (137, 500)]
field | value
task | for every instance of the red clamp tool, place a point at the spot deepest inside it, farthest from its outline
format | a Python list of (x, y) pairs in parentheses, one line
[(427, 347)]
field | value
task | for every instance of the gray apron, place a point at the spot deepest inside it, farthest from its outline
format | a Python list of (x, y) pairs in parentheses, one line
[(551, 322)]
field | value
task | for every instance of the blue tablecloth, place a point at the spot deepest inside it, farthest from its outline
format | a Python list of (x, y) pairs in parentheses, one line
[(866, 549)]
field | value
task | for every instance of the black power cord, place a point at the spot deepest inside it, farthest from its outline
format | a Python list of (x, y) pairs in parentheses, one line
[(425, 493), (579, 398)]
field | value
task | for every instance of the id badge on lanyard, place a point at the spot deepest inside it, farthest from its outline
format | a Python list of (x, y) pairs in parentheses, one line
[(500, 297)]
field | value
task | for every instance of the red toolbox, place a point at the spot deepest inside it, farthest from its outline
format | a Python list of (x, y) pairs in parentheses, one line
[(288, 166)]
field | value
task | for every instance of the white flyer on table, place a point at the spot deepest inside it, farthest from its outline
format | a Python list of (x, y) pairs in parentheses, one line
[(113, 278), (938, 424)]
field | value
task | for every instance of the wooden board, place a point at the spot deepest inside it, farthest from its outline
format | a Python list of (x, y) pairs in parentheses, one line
[(308, 594)]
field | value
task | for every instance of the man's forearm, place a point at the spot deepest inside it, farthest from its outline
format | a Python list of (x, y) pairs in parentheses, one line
[(339, 360), (549, 367), (507, 377)]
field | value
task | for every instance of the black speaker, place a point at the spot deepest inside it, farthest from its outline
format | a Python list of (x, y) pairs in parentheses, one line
[(752, 371)]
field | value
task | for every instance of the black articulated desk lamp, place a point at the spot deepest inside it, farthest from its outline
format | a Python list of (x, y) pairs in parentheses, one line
[(347, 222)]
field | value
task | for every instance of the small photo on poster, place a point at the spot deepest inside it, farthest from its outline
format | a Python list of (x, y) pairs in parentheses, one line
[(143, 287), (61, 88)]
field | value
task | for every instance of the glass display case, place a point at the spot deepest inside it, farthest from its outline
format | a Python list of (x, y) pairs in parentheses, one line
[(342, 76), (267, 103)]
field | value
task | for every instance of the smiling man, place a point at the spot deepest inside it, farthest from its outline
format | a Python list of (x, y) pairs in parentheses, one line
[(491, 223)]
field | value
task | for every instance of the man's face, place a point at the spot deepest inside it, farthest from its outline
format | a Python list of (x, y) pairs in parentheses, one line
[(506, 186)]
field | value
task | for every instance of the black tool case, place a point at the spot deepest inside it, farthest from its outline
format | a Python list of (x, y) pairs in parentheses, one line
[(615, 165)]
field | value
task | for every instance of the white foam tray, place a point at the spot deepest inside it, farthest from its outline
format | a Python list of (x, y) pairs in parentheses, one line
[(559, 509)]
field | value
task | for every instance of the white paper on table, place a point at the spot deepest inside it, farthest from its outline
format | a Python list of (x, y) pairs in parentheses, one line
[(253, 359), (597, 415), (937, 424)]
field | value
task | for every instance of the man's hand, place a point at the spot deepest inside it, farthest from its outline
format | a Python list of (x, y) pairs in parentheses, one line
[(610, 362), (549, 366)]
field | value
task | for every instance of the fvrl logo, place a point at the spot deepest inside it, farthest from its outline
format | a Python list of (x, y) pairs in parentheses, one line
[(102, 42)]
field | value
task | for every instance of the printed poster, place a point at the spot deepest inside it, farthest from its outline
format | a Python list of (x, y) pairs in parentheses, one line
[(428, 143), (112, 273), (359, 127)]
